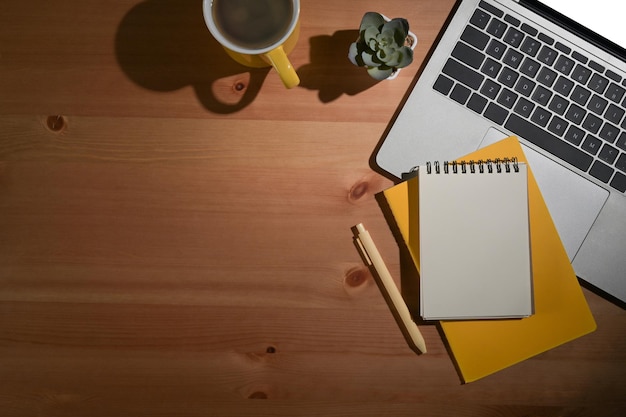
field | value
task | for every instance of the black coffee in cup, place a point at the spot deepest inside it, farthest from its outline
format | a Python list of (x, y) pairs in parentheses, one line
[(253, 24)]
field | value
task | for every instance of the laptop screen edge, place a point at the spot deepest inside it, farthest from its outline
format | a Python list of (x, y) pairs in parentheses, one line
[(569, 24)]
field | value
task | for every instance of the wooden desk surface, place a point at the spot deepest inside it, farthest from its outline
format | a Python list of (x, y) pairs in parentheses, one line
[(175, 230)]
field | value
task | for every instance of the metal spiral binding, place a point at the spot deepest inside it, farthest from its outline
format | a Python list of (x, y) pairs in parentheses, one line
[(471, 166)]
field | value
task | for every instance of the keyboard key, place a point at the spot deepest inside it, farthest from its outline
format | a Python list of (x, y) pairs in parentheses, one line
[(547, 77), (564, 64), (468, 55), (507, 98), (597, 104), (443, 84), (480, 18), (596, 66), (563, 86), (563, 48), (621, 142), (592, 144), (496, 113), (463, 74), (558, 126), (529, 29), (608, 154), (525, 86), (614, 114), (581, 74), (613, 75), (548, 142), (558, 104), (491, 68), (614, 93), (609, 132), (547, 55), (524, 107), (513, 37), (475, 37), (580, 95), (496, 28), (513, 58), (579, 57), (541, 116), (574, 135), (490, 89), (545, 39), (477, 103), (529, 67), (621, 163), (619, 182), (598, 83), (491, 9), (508, 77), (530, 46), (542, 95), (496, 49), (460, 93), (592, 123), (510, 19), (601, 171), (575, 114)]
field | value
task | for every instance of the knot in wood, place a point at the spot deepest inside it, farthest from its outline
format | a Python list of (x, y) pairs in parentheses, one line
[(356, 277), (358, 190), (239, 86), (55, 123), (258, 395)]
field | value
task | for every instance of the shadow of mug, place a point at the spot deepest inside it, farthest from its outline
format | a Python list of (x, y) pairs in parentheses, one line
[(164, 45)]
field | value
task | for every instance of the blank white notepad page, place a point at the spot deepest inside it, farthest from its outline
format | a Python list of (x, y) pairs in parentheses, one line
[(474, 243)]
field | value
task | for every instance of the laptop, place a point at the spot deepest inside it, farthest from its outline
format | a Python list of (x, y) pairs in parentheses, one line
[(552, 73)]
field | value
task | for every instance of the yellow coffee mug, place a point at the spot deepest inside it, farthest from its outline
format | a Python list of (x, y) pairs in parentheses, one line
[(257, 33)]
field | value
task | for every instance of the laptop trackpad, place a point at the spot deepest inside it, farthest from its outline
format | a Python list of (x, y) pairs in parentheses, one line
[(574, 202)]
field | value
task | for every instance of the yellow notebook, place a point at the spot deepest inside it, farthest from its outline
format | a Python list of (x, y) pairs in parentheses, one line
[(482, 347)]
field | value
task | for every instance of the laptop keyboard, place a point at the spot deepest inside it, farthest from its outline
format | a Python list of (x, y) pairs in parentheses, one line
[(541, 89)]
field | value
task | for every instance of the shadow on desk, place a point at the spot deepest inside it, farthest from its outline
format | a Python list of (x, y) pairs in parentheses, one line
[(330, 72), (164, 45)]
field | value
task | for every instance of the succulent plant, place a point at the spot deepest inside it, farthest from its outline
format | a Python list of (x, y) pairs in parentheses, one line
[(382, 45)]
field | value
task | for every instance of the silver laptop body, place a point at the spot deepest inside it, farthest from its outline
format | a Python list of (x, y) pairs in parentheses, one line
[(503, 68)]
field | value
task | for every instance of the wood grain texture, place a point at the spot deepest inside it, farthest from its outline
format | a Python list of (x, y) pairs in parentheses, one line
[(175, 230)]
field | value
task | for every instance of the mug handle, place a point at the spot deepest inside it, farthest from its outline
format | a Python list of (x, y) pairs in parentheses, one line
[(278, 58)]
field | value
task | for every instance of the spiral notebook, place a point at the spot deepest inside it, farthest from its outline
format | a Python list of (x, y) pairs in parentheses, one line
[(474, 240)]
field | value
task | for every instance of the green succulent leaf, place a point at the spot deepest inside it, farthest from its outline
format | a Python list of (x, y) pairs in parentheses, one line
[(368, 59), (394, 59), (371, 19), (394, 25), (353, 54), (386, 38), (379, 74), (385, 54), (370, 35), (405, 58), (403, 23)]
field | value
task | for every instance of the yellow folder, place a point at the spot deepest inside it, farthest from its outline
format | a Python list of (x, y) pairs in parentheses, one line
[(482, 347)]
